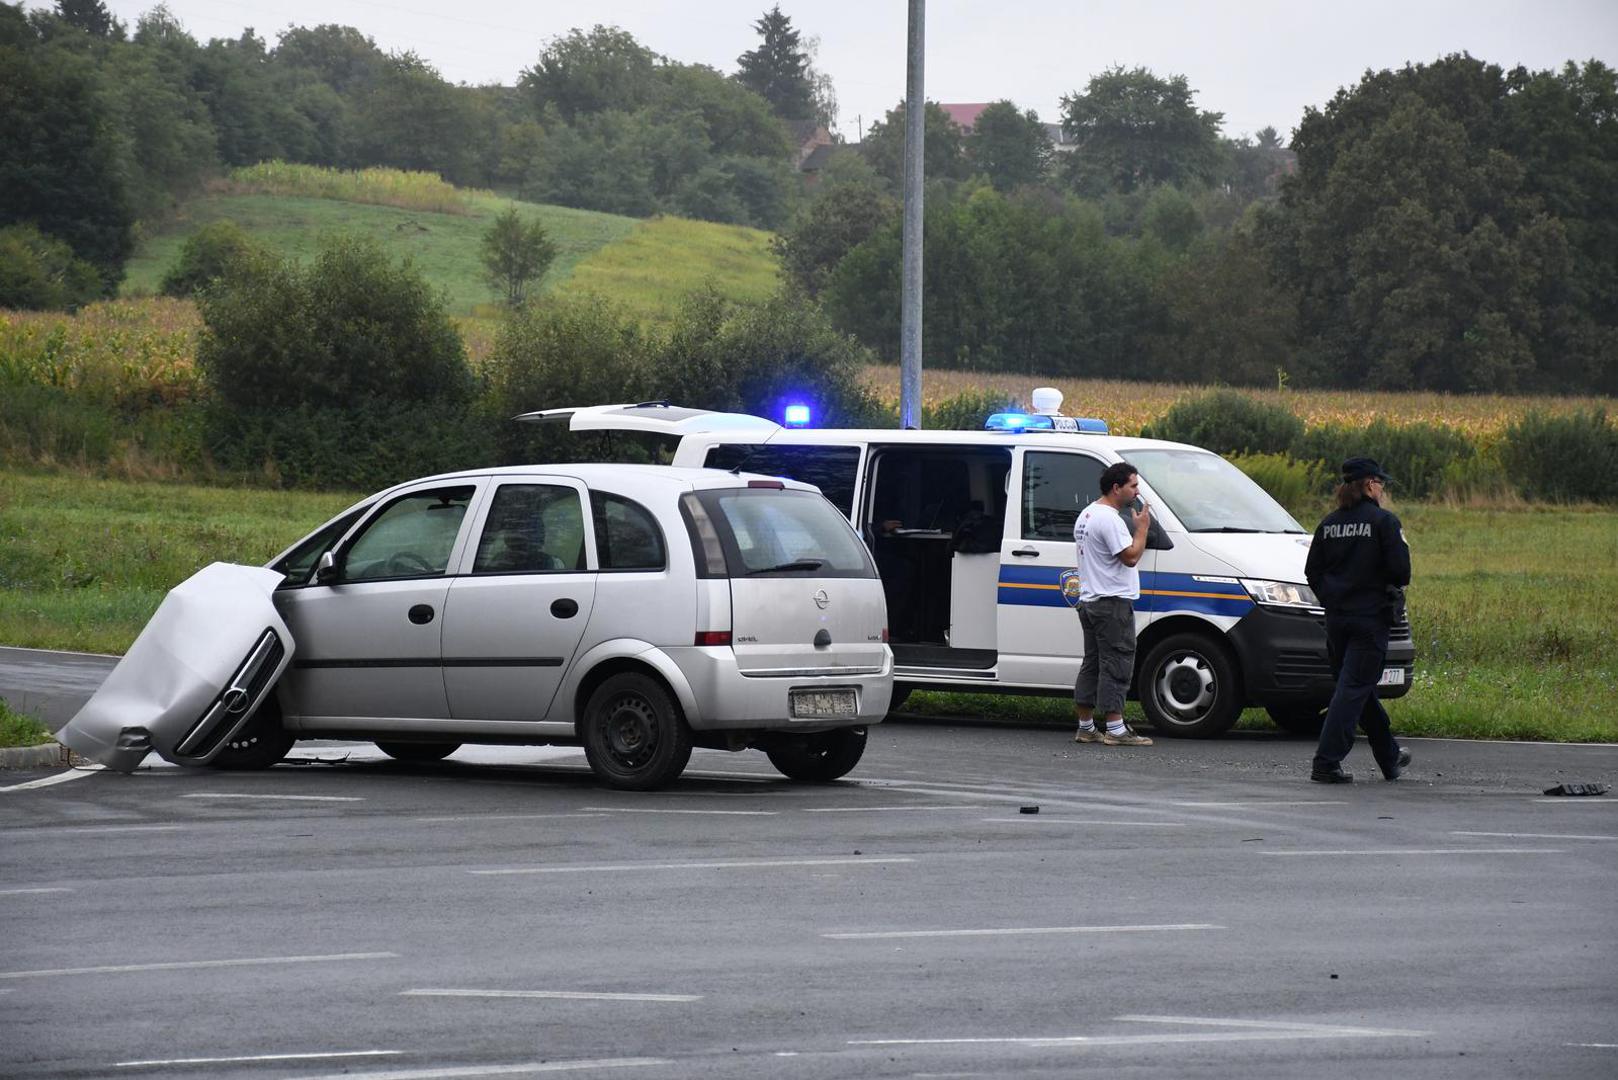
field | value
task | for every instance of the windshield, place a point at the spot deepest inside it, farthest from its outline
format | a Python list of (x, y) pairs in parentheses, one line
[(772, 532), (1209, 494)]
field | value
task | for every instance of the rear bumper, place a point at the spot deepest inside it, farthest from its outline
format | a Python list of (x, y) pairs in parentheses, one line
[(732, 701), (1284, 660)]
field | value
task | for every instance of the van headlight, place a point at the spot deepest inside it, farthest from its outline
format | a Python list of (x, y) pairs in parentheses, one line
[(1286, 594)]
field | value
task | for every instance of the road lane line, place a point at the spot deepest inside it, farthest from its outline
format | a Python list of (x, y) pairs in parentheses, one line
[(312, 1056), (78, 772), (451, 1072), (1574, 800), (1013, 930), (876, 809), (178, 965), (1241, 804), (279, 798), (1036, 819), (501, 817), (30, 892), (1537, 835), (1595, 1046), (560, 995), (761, 864), (1423, 851), (677, 810), (1270, 1025)]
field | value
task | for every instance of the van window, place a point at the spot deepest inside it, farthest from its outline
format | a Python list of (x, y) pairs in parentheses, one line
[(1208, 493), (627, 537), (1055, 488), (830, 468), (771, 533), (532, 528)]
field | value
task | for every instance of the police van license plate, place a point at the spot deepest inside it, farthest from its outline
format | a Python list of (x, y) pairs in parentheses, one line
[(819, 704), (1392, 676)]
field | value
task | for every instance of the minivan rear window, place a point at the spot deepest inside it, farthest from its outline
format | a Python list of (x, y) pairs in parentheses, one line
[(769, 532)]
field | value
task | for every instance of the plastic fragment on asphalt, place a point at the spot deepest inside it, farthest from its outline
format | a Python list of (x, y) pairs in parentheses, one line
[(1578, 789), (1027, 809)]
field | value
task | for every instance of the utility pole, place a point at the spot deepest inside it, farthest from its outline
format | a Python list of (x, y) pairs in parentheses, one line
[(910, 293)]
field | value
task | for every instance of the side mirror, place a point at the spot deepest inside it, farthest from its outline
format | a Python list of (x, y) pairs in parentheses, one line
[(1157, 539), (326, 568)]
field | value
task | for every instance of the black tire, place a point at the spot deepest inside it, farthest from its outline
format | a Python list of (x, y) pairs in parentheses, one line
[(825, 756), (1189, 687), (634, 736), (418, 751), (1304, 720), (901, 694), (259, 744)]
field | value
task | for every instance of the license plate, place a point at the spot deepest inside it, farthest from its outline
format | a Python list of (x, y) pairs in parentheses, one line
[(1393, 676), (815, 704)]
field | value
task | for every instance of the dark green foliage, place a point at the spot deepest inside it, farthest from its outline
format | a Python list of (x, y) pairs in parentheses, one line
[(1416, 455), (340, 56), (778, 70), (209, 254), (584, 73), (410, 118), (600, 163), (1008, 147), (847, 208), (965, 411), (91, 16), (738, 190), (1133, 128), (516, 255), (943, 148), (42, 274), (735, 121), (1226, 321), (1229, 422), (1570, 458), (354, 327)]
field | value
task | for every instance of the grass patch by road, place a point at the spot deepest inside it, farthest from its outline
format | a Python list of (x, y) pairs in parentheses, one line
[(20, 729), (1513, 611)]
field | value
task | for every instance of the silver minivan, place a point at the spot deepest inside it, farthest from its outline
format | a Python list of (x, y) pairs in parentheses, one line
[(638, 611)]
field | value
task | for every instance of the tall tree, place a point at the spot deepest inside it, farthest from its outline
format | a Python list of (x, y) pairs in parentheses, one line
[(581, 74), (91, 16), (1133, 129), (778, 70), (944, 154), (1009, 147)]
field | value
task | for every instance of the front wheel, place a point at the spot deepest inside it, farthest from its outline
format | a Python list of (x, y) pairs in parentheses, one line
[(820, 757), (634, 736), (418, 751), (1298, 719), (1189, 687), (260, 743)]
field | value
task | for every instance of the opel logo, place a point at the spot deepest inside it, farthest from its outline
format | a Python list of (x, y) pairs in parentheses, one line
[(821, 599), (235, 699)]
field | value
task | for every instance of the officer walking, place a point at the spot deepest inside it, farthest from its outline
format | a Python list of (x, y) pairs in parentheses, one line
[(1358, 566)]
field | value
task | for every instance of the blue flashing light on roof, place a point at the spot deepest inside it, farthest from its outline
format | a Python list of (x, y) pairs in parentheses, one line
[(796, 416), (1017, 422)]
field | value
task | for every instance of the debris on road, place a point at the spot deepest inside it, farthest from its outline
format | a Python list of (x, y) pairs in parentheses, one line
[(1578, 789)]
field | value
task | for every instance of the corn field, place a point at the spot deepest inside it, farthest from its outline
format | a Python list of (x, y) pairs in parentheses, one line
[(121, 351), (384, 187)]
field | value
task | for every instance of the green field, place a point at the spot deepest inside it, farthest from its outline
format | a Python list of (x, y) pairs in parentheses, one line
[(651, 270), (1513, 610)]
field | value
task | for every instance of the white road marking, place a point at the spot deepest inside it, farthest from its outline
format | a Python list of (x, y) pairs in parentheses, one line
[(178, 965), (1245, 1030), (313, 1056), (877, 809), (1013, 930), (1424, 851), (500, 817), (496, 1070), (77, 773), (761, 864), (560, 995), (675, 810), (279, 798), (29, 892), (1039, 819), (1572, 800), (1240, 804), (1595, 1046), (1537, 835), (76, 829)]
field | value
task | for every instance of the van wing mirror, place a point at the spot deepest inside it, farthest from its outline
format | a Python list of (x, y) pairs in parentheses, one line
[(1157, 539), (326, 570)]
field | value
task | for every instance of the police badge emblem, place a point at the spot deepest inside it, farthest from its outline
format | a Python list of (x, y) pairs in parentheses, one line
[(1069, 582)]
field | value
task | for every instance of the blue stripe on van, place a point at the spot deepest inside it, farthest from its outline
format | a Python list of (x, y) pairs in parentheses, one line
[(1039, 586)]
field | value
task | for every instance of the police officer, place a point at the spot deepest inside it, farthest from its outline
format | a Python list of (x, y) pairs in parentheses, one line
[(1358, 566)]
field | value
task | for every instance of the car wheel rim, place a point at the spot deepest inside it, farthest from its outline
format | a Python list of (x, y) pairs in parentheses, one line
[(1185, 688), (630, 726)]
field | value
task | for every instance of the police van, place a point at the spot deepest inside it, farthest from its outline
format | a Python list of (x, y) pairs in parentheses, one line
[(972, 532)]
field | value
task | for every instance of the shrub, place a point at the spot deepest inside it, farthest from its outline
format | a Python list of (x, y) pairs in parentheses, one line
[(1228, 422), (1416, 455), (1563, 458), (207, 255), (1296, 485), (515, 255), (965, 411), (40, 273)]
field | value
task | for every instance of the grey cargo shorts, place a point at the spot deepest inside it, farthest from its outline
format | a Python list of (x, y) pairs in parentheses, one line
[(1109, 653)]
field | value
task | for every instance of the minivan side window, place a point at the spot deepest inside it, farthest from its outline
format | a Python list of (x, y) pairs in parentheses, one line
[(627, 536), (1055, 488), (830, 468), (532, 529), (412, 537)]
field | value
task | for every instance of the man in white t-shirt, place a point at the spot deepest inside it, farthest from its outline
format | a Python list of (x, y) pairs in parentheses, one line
[(1109, 585)]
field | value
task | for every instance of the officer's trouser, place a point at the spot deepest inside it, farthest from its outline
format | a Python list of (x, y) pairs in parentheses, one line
[(1358, 645)]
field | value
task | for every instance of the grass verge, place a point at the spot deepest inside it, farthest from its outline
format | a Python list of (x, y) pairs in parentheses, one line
[(20, 729)]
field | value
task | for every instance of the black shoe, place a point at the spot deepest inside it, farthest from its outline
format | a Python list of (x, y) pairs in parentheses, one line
[(1399, 768), (1330, 776)]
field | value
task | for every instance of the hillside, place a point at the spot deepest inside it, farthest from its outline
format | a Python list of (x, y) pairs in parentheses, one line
[(646, 266)]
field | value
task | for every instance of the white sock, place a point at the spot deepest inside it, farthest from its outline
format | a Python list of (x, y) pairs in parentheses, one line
[(1115, 727), (1087, 725)]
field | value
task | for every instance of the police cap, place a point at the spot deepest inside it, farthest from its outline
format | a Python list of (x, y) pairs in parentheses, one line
[(1361, 468)]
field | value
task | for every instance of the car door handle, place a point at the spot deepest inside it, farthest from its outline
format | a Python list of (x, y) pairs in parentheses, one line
[(1026, 553), (421, 614), (564, 608)]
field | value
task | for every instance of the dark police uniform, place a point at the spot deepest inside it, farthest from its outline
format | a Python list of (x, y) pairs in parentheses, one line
[(1355, 556)]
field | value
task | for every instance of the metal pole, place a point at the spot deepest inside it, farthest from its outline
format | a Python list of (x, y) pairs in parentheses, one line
[(910, 302)]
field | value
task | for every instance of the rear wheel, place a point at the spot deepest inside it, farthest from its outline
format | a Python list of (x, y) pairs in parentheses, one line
[(901, 694), (260, 743), (1298, 719), (1189, 687), (418, 751), (820, 757), (634, 736)]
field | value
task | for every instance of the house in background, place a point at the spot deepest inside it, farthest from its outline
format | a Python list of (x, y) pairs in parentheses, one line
[(966, 115)]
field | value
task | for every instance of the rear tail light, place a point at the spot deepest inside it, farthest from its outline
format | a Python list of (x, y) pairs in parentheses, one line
[(710, 551), (713, 637)]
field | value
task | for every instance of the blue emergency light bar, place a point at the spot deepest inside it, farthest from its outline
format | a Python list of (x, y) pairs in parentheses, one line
[(796, 416), (1017, 422)]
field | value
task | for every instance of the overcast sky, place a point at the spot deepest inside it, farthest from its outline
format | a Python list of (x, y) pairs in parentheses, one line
[(1259, 62)]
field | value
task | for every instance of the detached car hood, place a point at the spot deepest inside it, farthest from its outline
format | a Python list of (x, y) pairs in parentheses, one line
[(203, 665)]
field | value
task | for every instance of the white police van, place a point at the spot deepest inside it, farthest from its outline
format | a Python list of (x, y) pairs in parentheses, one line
[(973, 536)]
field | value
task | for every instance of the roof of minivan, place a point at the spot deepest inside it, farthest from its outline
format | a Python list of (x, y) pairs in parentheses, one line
[(599, 473), (1117, 444)]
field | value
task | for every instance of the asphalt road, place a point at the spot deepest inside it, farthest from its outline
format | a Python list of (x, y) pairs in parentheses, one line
[(1192, 909)]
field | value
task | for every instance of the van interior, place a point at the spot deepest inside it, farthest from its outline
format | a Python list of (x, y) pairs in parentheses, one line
[(934, 518)]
